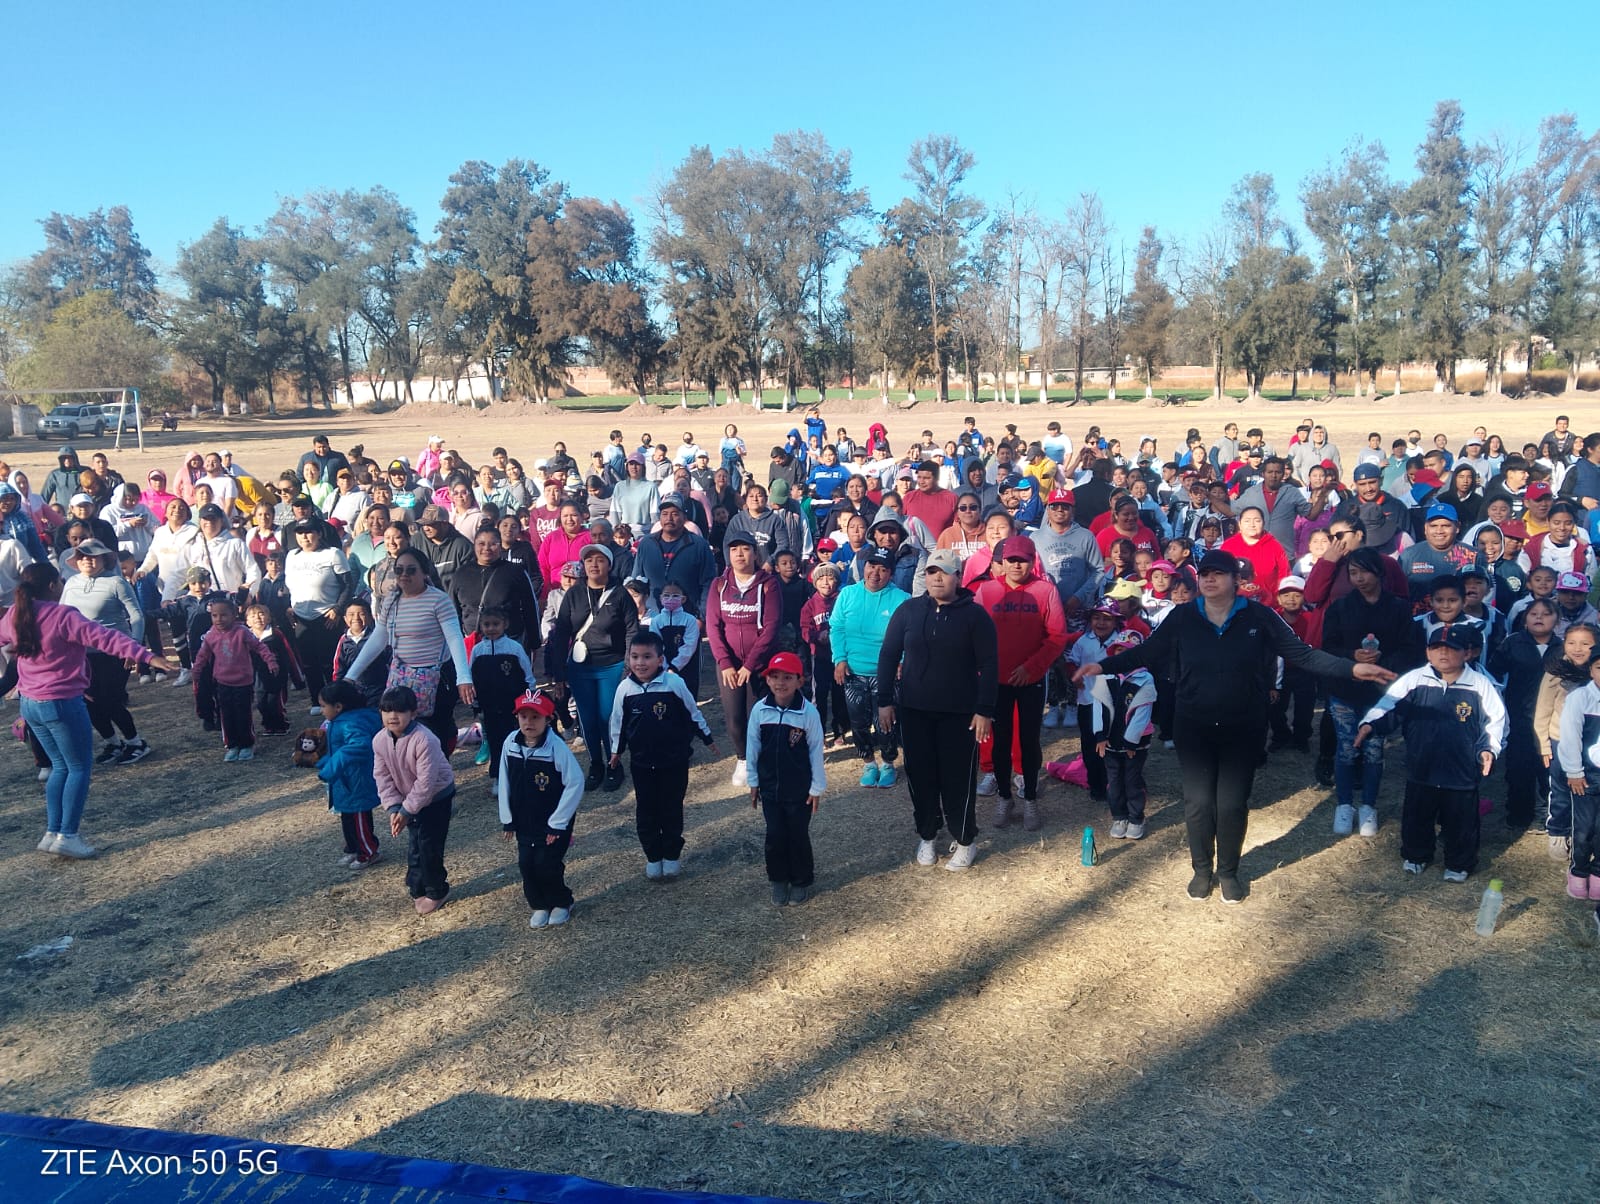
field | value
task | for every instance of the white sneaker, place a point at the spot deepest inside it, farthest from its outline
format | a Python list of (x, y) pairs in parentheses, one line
[(1016, 785), (741, 775), (669, 870), (925, 852), (539, 919), (1052, 717), (559, 916), (1135, 831), (1168, 744), (146, 678), (345, 859), (1413, 867), (44, 774), (652, 870), (1119, 829), (1455, 875), (1369, 821), (1344, 819), (74, 847), (987, 785), (314, 711), (182, 679), (48, 842), (1560, 846), (160, 676), (961, 856)]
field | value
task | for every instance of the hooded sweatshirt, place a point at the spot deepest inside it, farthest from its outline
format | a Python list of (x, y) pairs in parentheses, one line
[(742, 624), (946, 656), (61, 670), (1030, 625), (62, 483)]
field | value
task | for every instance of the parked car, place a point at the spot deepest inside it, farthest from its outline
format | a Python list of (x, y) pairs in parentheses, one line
[(73, 422), (129, 423)]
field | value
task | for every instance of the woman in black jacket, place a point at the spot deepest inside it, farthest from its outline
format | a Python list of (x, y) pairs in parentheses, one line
[(587, 654), (942, 648), (1223, 651)]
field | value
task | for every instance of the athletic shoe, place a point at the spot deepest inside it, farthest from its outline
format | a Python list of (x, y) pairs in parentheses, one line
[(1200, 885), (1560, 848), (799, 894), (1594, 887), (134, 750), (1017, 790), (1119, 829), (1030, 815), (1324, 773), (1069, 716), (481, 757), (146, 678), (613, 777), (48, 841), (886, 776), (246, 754), (44, 774), (559, 916), (1135, 831), (426, 906), (652, 870), (314, 711), (961, 856), (925, 852), (596, 775), (1232, 889), (539, 919), (741, 775), (230, 754), (1168, 744), (74, 847), (987, 785), (1002, 813), (1052, 717), (1344, 819), (670, 869), (345, 859), (1455, 875), (869, 775), (1577, 885), (358, 865), (1369, 821), (183, 679), (1413, 867), (780, 894), (109, 751), (160, 676)]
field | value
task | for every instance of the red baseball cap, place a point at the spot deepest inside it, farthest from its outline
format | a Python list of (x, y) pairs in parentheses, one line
[(536, 701), (1018, 547), (784, 662), (1059, 496), (1538, 489)]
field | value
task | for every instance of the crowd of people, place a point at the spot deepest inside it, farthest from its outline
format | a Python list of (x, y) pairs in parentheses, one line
[(949, 601)]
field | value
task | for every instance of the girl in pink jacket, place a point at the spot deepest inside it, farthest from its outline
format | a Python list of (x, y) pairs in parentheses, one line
[(417, 788)]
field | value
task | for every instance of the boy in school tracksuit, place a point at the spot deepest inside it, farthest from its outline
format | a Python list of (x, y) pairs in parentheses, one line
[(784, 751), (539, 787), (1578, 750), (655, 717), (501, 674), (417, 788), (1123, 706), (1454, 726)]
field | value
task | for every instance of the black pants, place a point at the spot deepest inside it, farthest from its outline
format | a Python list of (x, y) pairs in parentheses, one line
[(1218, 765), (272, 701), (1023, 706), (428, 828), (736, 707), (543, 863), (1125, 791), (1290, 715), (658, 792), (107, 698), (233, 712), (499, 721), (316, 643), (861, 698), (152, 632), (1166, 693), (359, 838), (941, 772), (789, 842), (441, 721), (829, 698), (1431, 811), (1527, 776), (1093, 764)]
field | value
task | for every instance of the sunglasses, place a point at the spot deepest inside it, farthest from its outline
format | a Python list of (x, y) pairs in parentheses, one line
[(966, 508), (406, 570)]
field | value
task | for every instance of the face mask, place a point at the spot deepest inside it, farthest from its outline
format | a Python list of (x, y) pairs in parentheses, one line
[(672, 602)]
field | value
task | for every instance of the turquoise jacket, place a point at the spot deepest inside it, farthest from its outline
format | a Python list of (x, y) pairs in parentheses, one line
[(347, 766), (858, 623)]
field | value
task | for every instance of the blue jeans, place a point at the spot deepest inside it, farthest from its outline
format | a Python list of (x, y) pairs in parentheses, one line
[(593, 690), (1346, 721), (63, 730)]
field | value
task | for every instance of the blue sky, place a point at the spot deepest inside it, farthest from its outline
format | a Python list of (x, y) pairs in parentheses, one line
[(187, 111)]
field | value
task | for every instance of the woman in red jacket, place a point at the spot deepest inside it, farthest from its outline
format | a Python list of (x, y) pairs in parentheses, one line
[(743, 612), (1269, 561), (1032, 629)]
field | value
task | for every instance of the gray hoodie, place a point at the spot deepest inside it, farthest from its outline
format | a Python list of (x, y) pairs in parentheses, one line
[(106, 599)]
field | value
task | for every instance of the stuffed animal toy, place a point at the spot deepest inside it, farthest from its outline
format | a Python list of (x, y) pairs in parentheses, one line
[(309, 747)]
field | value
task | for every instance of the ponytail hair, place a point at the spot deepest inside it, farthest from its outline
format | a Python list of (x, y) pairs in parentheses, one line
[(34, 586)]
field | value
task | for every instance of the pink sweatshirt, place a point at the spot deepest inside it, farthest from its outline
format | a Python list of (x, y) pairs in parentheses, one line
[(411, 768), (230, 656), (61, 670)]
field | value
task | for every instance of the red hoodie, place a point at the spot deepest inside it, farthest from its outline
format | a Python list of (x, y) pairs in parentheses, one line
[(1030, 625), (742, 626)]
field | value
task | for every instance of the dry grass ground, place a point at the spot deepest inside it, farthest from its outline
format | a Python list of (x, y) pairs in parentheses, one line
[(1030, 1030)]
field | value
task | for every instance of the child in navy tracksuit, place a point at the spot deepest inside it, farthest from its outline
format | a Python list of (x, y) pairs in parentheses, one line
[(1122, 710), (188, 620), (680, 634), (501, 674), (654, 716), (783, 748), (1455, 726), (1579, 749), (347, 769), (539, 786)]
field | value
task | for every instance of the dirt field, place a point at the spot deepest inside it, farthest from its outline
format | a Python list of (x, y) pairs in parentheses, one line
[(1030, 1030)]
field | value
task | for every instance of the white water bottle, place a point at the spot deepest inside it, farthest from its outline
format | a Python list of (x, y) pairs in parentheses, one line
[(1489, 910)]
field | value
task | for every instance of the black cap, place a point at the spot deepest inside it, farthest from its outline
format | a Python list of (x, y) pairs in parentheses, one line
[(1452, 635), (743, 537), (881, 556), (306, 526), (1218, 561), (211, 511)]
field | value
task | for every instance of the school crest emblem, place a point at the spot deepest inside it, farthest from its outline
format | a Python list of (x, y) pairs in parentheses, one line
[(1463, 711), (659, 710), (795, 736), (541, 780)]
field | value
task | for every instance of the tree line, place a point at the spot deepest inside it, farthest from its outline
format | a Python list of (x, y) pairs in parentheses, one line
[(772, 266)]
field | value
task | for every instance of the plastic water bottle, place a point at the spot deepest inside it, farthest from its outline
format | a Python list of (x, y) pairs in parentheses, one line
[(1370, 643), (1489, 910), (1091, 855)]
